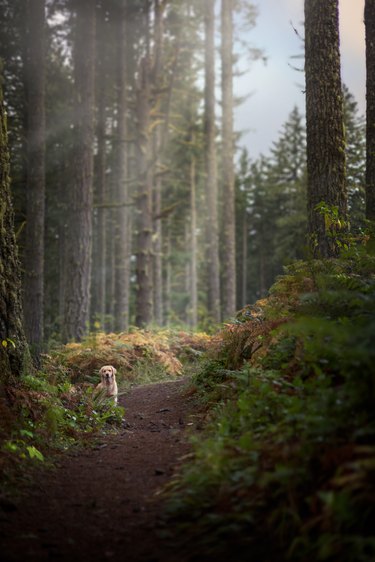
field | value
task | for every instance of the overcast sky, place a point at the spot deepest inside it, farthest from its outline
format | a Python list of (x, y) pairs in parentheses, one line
[(275, 87)]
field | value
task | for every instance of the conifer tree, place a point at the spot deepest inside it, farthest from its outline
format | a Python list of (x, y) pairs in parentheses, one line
[(355, 138)]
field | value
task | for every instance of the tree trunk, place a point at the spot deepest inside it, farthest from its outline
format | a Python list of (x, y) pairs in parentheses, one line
[(193, 246), (229, 249), (34, 238), (370, 108), (158, 254), (168, 275), (144, 250), (13, 347), (324, 117), (122, 249), (79, 236), (245, 236), (99, 243), (213, 266)]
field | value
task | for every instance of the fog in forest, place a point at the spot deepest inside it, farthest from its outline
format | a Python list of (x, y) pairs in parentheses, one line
[(164, 144)]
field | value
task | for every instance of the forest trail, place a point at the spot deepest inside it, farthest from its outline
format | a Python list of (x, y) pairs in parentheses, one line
[(100, 504)]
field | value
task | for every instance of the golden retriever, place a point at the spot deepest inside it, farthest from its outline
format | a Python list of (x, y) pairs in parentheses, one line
[(108, 384)]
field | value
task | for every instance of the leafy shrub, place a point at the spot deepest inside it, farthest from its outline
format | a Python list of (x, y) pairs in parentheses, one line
[(290, 454)]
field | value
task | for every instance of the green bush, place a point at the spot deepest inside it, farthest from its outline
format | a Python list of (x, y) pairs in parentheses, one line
[(287, 466)]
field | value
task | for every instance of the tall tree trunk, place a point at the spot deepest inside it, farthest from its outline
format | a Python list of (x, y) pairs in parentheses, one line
[(34, 239), (158, 253), (245, 236), (110, 271), (193, 246), (168, 275), (99, 243), (210, 162), (13, 347), (229, 229), (370, 108), (144, 296), (324, 116), (122, 249), (79, 236), (158, 141)]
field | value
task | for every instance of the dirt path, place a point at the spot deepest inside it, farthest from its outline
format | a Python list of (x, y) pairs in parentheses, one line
[(100, 504)]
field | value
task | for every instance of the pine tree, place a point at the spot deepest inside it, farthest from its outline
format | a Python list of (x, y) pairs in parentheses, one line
[(355, 137)]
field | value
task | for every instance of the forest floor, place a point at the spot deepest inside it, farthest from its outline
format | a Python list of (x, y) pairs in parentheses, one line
[(102, 503)]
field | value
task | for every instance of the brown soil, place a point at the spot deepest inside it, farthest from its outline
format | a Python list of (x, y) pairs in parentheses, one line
[(102, 503)]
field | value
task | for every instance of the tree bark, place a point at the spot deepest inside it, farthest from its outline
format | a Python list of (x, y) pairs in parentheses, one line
[(370, 108), (193, 246), (229, 240), (122, 249), (99, 241), (244, 276), (79, 236), (213, 267), (324, 118), (158, 252), (144, 250), (34, 238), (14, 355)]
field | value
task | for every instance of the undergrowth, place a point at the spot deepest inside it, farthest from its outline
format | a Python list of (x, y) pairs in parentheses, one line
[(56, 408), (287, 467)]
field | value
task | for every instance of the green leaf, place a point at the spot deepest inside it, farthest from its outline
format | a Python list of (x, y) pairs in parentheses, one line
[(34, 453)]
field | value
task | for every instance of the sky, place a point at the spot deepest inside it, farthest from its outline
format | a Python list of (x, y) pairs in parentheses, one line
[(275, 88)]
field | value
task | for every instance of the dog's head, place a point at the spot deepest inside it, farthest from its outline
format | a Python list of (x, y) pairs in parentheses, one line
[(107, 374)]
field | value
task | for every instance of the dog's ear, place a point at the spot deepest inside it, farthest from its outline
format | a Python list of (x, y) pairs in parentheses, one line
[(114, 370), (100, 370)]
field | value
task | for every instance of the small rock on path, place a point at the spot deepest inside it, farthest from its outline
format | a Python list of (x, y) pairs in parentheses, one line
[(100, 504)]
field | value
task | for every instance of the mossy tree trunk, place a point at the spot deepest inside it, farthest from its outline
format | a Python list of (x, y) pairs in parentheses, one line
[(324, 119), (14, 356), (370, 108)]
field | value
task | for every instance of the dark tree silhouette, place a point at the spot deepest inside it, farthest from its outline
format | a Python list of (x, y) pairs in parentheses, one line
[(13, 347), (79, 234), (370, 108), (34, 239)]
